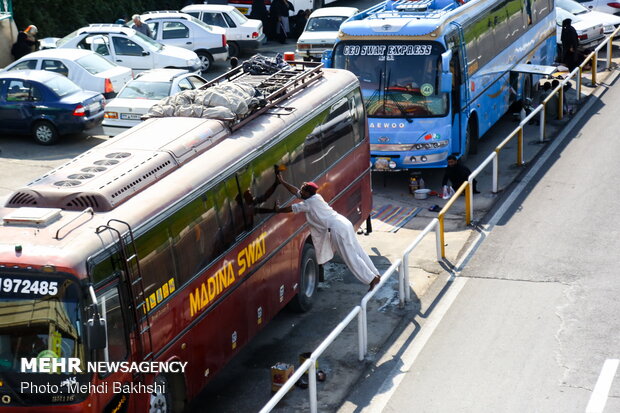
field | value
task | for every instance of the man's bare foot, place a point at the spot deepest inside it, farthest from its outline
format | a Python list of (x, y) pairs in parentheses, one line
[(374, 282)]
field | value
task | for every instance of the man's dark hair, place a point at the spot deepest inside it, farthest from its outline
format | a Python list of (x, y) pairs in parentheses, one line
[(310, 189), (452, 158)]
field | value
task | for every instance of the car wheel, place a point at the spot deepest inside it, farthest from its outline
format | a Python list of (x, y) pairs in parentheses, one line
[(206, 61), (44, 133), (233, 49), (308, 280)]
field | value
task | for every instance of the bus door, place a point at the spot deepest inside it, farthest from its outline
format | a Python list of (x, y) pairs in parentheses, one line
[(460, 89)]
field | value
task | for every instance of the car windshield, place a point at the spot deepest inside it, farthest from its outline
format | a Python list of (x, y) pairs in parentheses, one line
[(68, 37), (397, 80), (40, 317), (571, 6), (325, 24), (150, 43), (62, 86), (94, 63), (145, 90)]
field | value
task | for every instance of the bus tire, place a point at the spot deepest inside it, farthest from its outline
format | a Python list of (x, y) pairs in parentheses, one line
[(308, 279), (471, 140), (172, 397)]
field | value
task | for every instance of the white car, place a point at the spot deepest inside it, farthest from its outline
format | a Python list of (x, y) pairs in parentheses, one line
[(241, 33), (604, 6), (321, 31), (85, 68), (590, 32), (126, 47), (137, 97), (182, 30), (610, 21)]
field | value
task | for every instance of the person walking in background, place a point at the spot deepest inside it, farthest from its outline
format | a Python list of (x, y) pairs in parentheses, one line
[(457, 173), (330, 232), (279, 13), (141, 27), (259, 12), (570, 42), (26, 42)]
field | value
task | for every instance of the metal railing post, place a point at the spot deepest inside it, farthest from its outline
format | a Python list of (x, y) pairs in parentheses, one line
[(579, 73), (401, 283), (496, 172), (561, 103), (520, 146), (594, 69), (312, 386), (471, 195), (543, 115), (469, 192), (360, 336), (609, 52), (441, 236), (364, 326), (405, 266), (438, 240)]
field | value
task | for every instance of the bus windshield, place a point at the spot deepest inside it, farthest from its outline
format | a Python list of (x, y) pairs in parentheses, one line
[(397, 79), (40, 317)]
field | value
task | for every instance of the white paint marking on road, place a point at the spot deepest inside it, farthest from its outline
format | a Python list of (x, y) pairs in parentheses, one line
[(395, 377), (599, 396)]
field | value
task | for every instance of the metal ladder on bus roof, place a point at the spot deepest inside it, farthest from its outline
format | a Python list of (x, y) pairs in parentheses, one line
[(131, 268), (279, 86)]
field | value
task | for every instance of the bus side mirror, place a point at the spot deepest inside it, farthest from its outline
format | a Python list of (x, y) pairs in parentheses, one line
[(326, 58), (96, 333), (445, 85), (446, 57)]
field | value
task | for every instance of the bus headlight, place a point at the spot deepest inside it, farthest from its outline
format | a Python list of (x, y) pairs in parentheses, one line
[(392, 164), (430, 145)]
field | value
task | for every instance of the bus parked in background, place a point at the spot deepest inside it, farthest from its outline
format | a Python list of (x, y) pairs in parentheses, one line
[(167, 234), (437, 74)]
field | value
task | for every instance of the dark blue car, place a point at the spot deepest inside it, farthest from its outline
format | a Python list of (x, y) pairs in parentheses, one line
[(46, 105)]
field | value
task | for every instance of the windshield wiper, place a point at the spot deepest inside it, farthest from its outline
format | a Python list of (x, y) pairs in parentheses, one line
[(396, 102)]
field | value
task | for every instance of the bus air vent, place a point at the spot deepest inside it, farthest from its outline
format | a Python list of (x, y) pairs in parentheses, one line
[(81, 176), (93, 169), (68, 183), (106, 162), (83, 201), (118, 155), (22, 198)]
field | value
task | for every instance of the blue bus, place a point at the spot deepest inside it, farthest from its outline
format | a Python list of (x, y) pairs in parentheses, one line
[(437, 74)]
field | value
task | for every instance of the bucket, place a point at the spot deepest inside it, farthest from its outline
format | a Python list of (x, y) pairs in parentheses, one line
[(421, 193), (303, 357)]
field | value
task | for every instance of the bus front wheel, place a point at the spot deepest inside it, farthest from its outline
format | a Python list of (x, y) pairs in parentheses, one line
[(167, 396), (308, 280), (471, 141)]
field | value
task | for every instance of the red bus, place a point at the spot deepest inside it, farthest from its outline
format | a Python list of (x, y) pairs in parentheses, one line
[(166, 234)]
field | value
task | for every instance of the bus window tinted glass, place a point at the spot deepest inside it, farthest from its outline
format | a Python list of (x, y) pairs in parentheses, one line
[(307, 160), (110, 308)]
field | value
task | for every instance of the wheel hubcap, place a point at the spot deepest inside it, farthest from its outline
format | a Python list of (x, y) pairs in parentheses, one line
[(310, 277), (204, 63), (158, 403), (44, 133)]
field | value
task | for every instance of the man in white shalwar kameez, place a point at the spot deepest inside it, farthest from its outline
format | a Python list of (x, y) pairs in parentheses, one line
[(331, 232)]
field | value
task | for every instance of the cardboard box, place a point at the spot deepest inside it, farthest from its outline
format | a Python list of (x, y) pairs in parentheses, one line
[(280, 373)]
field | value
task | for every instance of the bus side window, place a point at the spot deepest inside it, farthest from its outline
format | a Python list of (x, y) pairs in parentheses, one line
[(195, 243), (336, 132), (110, 309), (157, 263), (307, 157)]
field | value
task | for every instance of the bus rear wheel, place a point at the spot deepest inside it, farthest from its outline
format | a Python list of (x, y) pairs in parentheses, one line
[(471, 141), (308, 280)]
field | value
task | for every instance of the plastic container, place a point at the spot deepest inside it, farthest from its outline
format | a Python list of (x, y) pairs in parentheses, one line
[(421, 193)]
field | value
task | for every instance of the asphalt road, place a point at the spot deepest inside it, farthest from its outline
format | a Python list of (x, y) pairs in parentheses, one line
[(536, 319)]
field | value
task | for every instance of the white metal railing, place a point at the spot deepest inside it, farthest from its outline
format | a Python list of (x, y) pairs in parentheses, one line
[(402, 264)]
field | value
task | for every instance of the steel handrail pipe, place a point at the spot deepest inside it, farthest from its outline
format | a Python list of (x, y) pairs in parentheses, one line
[(364, 304), (405, 259), (320, 349), (286, 387), (440, 215)]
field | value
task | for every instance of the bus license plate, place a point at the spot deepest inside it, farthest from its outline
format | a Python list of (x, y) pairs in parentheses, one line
[(382, 163), (130, 116)]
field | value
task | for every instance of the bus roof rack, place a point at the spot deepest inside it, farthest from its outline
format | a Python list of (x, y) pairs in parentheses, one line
[(276, 87)]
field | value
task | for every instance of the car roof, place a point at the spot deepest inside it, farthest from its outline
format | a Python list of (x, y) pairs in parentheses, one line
[(62, 53), (36, 75), (207, 7), (334, 11), (160, 14), (107, 28), (160, 75)]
